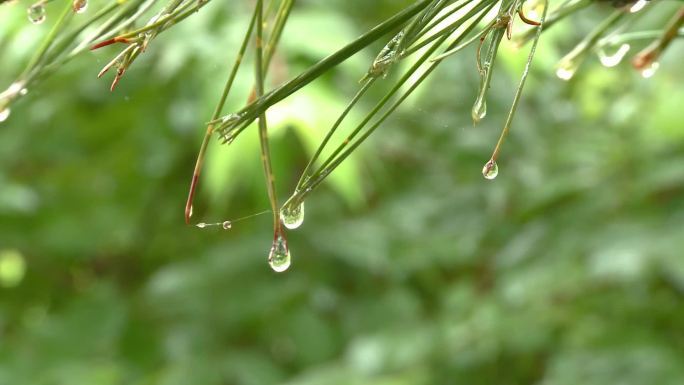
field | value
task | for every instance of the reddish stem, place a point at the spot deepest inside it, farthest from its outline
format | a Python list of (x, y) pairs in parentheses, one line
[(119, 74), (111, 41), (191, 196), (526, 20)]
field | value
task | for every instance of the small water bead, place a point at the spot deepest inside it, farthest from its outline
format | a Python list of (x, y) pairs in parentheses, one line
[(479, 110), (4, 113), (650, 70), (614, 59), (490, 170), (36, 13), (638, 6), (16, 88), (202, 225), (227, 225), (292, 214), (79, 6), (279, 257), (566, 70)]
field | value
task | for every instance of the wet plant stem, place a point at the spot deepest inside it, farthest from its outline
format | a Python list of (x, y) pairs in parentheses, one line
[(199, 163), (263, 126), (518, 92)]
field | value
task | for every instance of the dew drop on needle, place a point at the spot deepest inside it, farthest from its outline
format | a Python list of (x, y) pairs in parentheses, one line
[(4, 114), (609, 60), (36, 13), (479, 110), (490, 170), (79, 6), (650, 70), (292, 214), (279, 256)]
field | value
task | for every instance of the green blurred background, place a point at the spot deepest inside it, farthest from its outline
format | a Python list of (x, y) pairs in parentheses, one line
[(410, 268)]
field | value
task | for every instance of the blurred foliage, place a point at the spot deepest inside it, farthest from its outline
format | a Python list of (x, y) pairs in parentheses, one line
[(410, 267)]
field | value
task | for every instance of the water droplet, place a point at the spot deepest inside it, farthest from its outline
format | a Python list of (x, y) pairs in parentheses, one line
[(23, 92), (279, 257), (201, 225), (4, 113), (479, 110), (12, 91), (79, 6), (533, 9), (227, 225), (650, 70), (490, 170), (566, 70), (614, 59), (638, 6), (292, 214), (36, 13)]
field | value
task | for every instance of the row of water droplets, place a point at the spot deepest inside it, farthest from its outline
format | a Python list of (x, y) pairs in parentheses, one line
[(292, 217), (37, 14), (565, 70), (279, 256)]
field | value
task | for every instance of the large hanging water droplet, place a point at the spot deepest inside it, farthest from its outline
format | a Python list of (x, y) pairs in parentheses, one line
[(650, 70), (566, 69), (79, 6), (490, 170), (479, 110), (614, 59), (279, 257), (36, 13), (4, 113), (227, 225), (292, 214)]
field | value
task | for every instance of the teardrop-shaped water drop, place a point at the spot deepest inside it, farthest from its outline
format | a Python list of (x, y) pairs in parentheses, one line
[(566, 69), (490, 170), (292, 214), (36, 13), (79, 6), (279, 257), (227, 225), (650, 70), (479, 110), (612, 60), (4, 113)]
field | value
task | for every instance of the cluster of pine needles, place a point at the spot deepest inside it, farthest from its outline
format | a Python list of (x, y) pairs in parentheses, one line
[(425, 34)]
